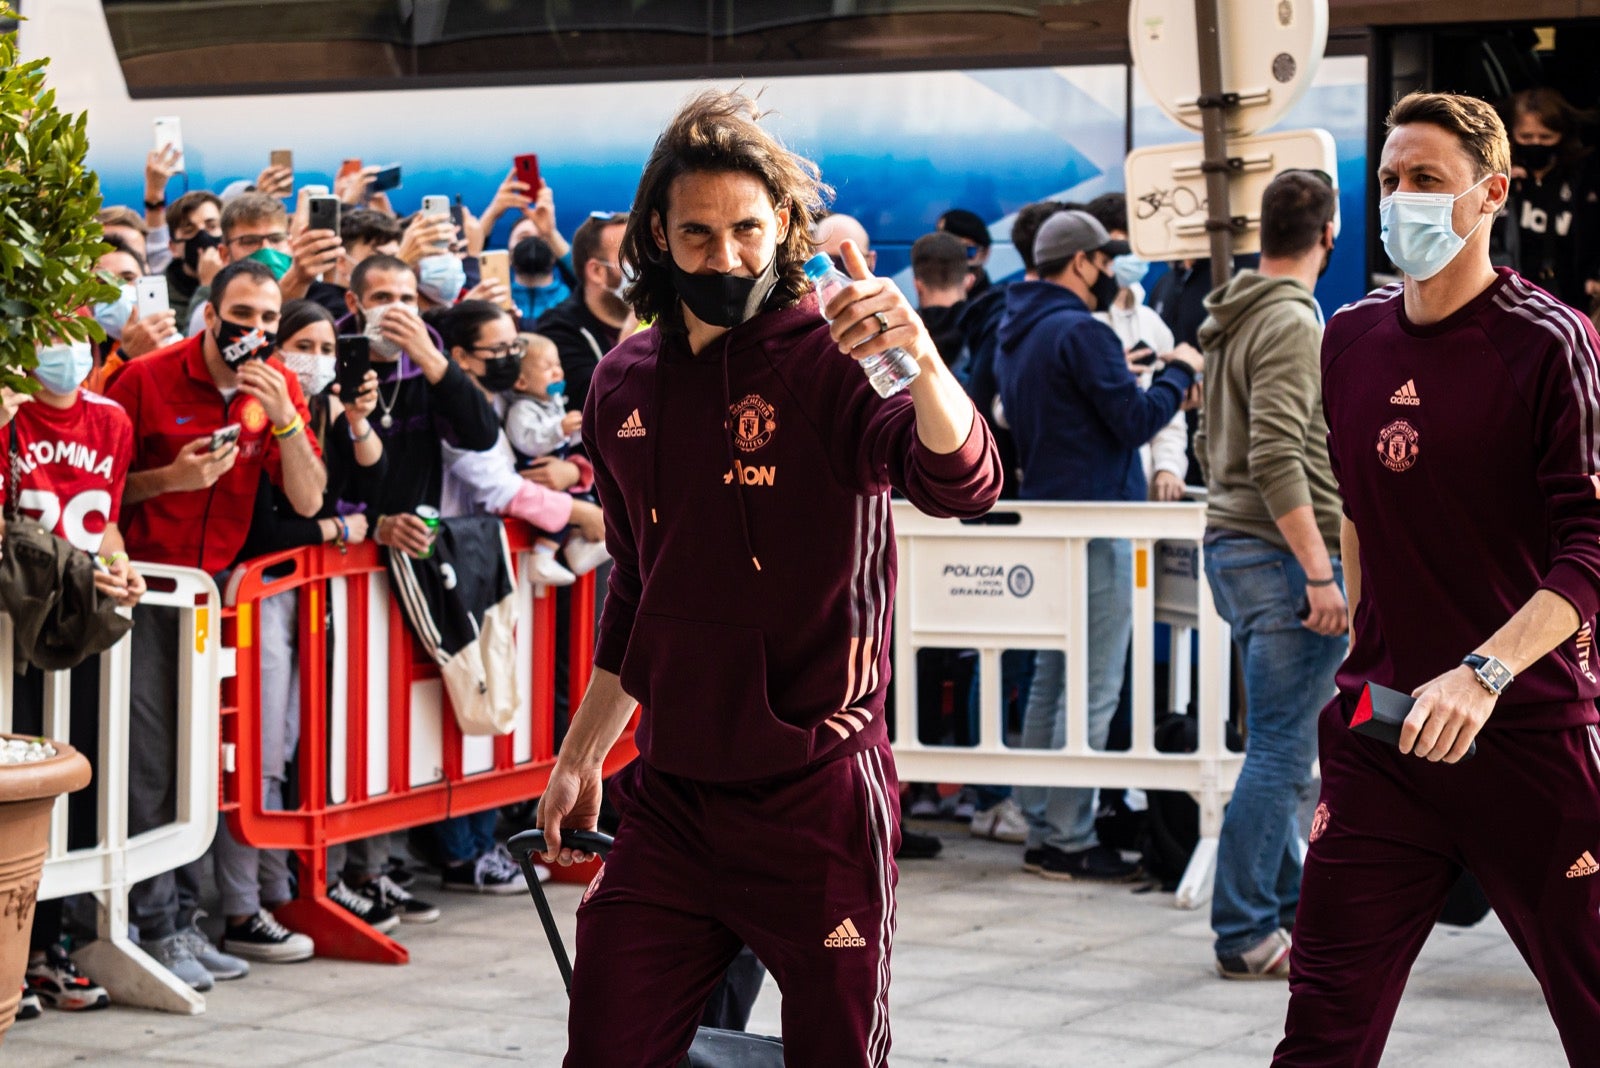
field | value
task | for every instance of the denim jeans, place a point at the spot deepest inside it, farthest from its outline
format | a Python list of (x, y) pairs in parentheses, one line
[(465, 838), (1288, 678), (1063, 817)]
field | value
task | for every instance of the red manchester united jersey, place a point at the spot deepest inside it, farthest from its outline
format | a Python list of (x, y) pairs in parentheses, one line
[(74, 462)]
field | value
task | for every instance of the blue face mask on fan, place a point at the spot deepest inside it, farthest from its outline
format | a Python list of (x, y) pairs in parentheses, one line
[(63, 367), (1129, 269), (115, 315), (441, 278), (1418, 233)]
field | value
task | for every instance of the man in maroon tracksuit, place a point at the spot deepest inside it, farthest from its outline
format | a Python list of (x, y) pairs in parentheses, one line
[(1463, 410), (745, 467)]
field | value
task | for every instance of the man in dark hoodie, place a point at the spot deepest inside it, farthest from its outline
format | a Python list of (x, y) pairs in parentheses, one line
[(1272, 558), (1079, 418), (585, 325), (762, 808), (939, 272)]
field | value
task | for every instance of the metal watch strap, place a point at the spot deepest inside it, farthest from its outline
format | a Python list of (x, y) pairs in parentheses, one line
[(1492, 674)]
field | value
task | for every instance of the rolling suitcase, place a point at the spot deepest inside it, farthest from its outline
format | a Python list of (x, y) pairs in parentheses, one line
[(712, 1048)]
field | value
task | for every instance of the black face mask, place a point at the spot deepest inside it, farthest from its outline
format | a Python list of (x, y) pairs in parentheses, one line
[(1533, 157), (239, 343), (196, 245), (500, 373), (1104, 290), (724, 299)]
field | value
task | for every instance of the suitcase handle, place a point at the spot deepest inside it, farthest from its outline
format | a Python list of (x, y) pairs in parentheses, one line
[(523, 846), (529, 842)]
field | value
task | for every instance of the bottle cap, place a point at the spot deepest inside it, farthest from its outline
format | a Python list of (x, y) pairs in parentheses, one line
[(818, 265)]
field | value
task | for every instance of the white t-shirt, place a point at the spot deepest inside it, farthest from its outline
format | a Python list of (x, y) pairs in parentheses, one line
[(1169, 449)]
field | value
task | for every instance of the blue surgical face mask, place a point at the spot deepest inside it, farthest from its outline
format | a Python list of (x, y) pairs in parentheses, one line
[(1418, 233), (1129, 269), (114, 316), (63, 366), (441, 278)]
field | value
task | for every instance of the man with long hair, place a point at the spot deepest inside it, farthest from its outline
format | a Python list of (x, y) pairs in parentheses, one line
[(745, 466)]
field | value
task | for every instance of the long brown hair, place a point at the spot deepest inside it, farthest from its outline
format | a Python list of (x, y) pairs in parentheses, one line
[(1554, 112), (719, 132)]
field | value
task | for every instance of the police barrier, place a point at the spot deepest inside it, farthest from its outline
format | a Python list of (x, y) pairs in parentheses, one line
[(1024, 586), (378, 749), (119, 860)]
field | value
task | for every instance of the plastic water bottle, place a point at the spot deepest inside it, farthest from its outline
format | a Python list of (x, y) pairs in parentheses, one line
[(889, 371)]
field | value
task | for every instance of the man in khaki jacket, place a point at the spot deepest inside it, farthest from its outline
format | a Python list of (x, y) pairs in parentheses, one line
[(1271, 556)]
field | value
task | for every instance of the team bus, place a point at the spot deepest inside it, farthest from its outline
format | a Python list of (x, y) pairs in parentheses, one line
[(910, 106)]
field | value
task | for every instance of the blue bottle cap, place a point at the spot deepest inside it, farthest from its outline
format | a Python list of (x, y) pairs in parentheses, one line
[(817, 266)]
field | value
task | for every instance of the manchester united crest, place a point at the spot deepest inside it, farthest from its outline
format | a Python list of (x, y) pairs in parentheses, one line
[(253, 417), (1397, 445), (754, 422)]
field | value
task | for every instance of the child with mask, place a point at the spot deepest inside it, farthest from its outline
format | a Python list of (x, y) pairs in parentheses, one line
[(80, 503), (482, 339)]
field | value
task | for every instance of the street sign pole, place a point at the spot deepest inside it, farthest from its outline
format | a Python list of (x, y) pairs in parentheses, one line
[(1214, 104)]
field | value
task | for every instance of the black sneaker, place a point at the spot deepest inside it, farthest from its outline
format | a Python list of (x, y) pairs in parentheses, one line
[(261, 937), (385, 893), (29, 1008), (917, 846), (1098, 864), (493, 872), (398, 873), (1032, 859), (379, 917)]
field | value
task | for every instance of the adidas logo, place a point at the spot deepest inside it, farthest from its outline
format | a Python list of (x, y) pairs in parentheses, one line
[(1406, 394), (845, 936), (632, 427), (1584, 865)]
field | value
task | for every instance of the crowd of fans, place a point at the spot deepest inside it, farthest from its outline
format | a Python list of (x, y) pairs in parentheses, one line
[(216, 430)]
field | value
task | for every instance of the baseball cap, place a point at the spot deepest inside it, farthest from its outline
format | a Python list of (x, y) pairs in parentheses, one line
[(1067, 233), (966, 224)]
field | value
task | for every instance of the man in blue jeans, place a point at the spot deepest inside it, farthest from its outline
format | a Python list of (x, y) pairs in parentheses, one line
[(1271, 556), (1079, 417)]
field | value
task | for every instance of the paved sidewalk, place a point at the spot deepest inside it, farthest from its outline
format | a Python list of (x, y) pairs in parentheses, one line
[(992, 967)]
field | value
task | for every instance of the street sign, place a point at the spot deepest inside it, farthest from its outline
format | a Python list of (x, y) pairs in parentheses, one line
[(1270, 52), (1167, 190)]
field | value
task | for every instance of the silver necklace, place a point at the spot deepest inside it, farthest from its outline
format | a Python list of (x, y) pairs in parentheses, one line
[(387, 420)]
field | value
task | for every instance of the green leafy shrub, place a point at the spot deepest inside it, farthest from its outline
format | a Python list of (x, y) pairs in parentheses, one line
[(49, 238)]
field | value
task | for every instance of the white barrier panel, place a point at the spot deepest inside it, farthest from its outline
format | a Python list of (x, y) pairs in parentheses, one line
[(994, 588), (120, 860)]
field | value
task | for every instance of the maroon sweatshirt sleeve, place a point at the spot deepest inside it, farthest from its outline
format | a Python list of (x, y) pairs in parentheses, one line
[(625, 585), (1567, 464), (877, 443)]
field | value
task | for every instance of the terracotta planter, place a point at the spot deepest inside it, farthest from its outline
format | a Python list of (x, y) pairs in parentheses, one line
[(27, 793)]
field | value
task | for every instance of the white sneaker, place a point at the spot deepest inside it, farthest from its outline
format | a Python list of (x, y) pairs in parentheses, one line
[(1003, 822), (583, 555), (547, 572)]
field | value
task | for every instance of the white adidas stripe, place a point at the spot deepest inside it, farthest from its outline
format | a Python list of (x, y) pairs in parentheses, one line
[(1561, 322), (1377, 296), (881, 834)]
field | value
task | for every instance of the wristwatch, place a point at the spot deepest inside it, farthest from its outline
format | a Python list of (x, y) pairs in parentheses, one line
[(1492, 675)]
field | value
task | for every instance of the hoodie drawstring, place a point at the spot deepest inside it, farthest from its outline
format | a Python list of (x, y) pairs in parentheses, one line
[(733, 463)]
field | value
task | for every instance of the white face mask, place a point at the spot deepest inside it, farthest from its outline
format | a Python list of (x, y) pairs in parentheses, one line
[(382, 347), (1418, 233), (315, 371)]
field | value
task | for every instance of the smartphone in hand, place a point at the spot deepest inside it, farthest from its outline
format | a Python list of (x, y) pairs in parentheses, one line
[(527, 169), (150, 295), (496, 263), (352, 361), (169, 131), (225, 436), (387, 178), (322, 213)]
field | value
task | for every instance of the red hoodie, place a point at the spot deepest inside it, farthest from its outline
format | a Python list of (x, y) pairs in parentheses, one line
[(746, 494)]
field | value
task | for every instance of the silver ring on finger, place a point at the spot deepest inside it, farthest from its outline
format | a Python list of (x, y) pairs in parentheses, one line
[(883, 322)]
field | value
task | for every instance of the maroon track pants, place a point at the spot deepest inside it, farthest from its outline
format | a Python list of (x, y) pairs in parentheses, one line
[(800, 868), (1389, 838)]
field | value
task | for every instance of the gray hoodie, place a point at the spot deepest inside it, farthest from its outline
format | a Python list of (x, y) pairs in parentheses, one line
[(1263, 442)]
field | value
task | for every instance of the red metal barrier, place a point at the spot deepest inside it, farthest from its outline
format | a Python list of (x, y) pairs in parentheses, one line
[(337, 799)]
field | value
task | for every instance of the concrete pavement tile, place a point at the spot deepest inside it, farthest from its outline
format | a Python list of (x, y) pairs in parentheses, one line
[(1084, 977), (954, 962), (1022, 940), (1025, 1010), (377, 1020), (36, 1054), (1262, 1000), (1139, 1019), (959, 1041), (531, 1038), (260, 1047), (394, 1055), (1447, 1016), (116, 1028), (1081, 1051), (1480, 1052)]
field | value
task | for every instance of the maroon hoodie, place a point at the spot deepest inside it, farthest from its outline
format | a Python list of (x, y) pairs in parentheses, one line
[(746, 494)]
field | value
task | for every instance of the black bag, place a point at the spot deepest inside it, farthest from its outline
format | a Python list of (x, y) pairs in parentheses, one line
[(58, 618), (1172, 825), (712, 1048)]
